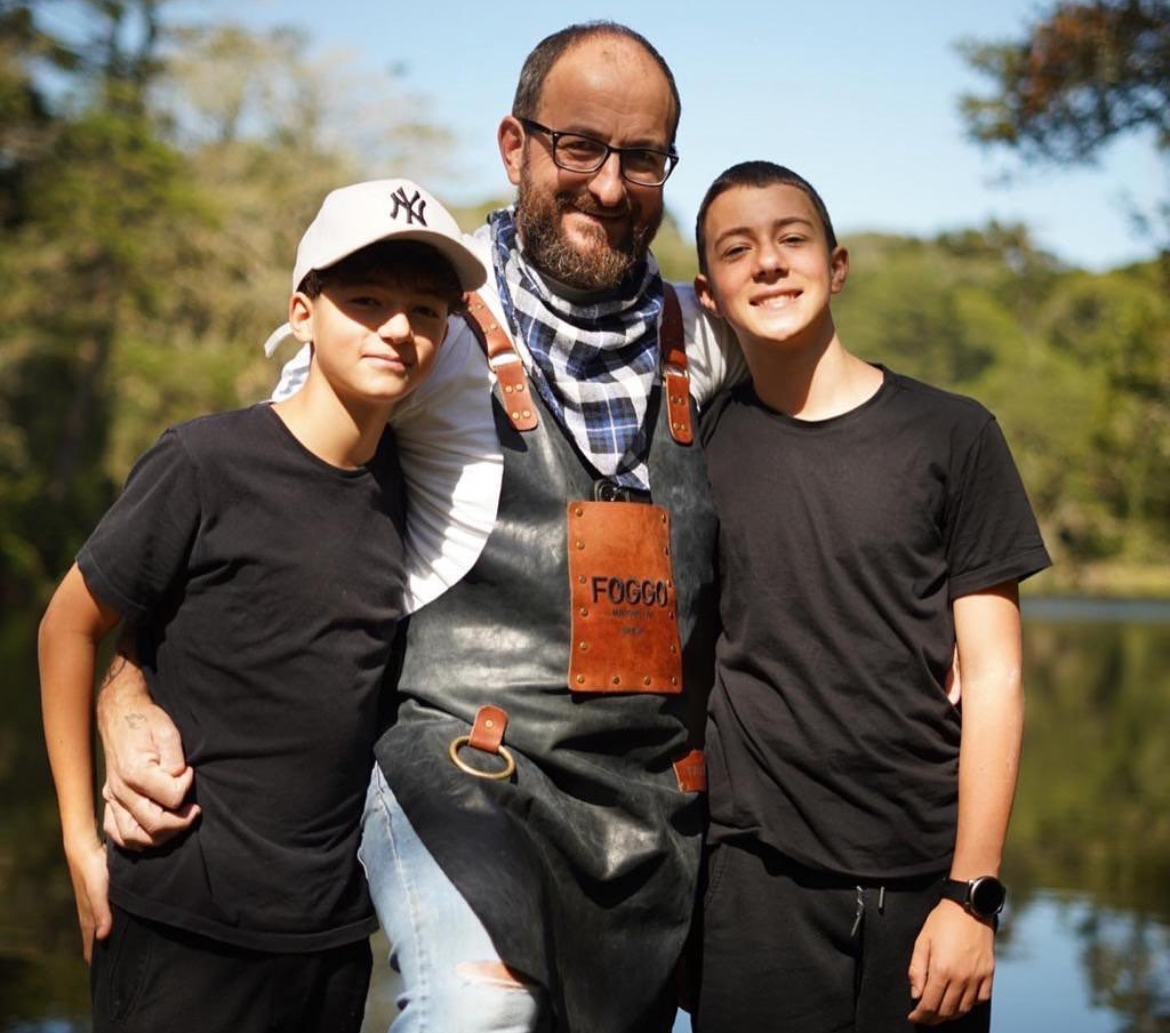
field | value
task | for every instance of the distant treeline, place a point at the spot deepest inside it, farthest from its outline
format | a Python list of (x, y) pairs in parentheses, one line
[(153, 185)]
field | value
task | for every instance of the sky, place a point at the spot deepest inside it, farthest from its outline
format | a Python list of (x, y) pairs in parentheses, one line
[(859, 97)]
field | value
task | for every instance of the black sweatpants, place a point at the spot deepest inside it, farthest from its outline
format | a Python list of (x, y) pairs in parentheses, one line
[(147, 977), (786, 950)]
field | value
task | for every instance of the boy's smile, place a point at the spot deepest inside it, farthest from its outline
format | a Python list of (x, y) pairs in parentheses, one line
[(770, 271)]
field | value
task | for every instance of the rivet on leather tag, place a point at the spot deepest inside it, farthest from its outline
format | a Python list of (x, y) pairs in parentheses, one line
[(488, 730), (678, 393)]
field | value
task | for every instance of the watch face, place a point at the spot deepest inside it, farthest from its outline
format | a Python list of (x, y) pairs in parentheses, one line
[(987, 896)]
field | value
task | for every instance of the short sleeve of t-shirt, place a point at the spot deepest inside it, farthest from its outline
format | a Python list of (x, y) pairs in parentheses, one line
[(141, 546), (992, 534)]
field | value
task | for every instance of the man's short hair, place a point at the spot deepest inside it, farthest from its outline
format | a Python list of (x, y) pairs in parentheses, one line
[(549, 50), (410, 259), (758, 174)]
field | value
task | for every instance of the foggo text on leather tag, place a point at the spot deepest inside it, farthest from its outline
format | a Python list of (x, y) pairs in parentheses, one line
[(625, 624)]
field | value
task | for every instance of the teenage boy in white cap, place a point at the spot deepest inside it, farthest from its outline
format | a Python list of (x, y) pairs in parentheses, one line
[(259, 556)]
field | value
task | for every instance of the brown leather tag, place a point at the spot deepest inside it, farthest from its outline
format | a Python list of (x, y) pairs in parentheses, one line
[(488, 730), (691, 772), (625, 626)]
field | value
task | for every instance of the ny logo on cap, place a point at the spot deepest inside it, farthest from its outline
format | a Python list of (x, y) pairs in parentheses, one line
[(402, 201)]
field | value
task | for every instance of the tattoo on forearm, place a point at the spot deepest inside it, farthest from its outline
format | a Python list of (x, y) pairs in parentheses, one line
[(136, 721)]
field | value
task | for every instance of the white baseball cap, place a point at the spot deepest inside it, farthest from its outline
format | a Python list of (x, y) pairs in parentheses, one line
[(355, 216)]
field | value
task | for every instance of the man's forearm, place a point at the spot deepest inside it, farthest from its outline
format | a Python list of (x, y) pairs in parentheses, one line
[(123, 692)]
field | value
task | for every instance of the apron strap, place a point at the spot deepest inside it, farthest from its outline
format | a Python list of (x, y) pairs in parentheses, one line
[(675, 379), (504, 363)]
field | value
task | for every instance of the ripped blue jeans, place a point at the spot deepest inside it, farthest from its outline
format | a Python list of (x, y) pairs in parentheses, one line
[(452, 976)]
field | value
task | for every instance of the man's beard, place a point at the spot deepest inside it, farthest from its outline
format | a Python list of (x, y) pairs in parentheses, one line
[(602, 266)]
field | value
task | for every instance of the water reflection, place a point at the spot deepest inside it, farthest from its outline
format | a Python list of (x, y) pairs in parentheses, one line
[(1086, 948), (1074, 966)]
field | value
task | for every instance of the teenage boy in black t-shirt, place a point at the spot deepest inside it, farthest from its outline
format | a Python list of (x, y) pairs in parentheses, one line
[(869, 525), (259, 556)]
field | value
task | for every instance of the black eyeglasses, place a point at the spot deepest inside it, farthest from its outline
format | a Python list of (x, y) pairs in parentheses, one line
[(573, 152)]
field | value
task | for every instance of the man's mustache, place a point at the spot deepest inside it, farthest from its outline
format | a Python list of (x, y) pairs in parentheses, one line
[(588, 206)]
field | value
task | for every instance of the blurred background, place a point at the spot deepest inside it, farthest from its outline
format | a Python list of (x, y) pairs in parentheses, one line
[(998, 172)]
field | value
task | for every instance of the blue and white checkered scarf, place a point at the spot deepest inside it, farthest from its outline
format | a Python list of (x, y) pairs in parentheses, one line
[(594, 365)]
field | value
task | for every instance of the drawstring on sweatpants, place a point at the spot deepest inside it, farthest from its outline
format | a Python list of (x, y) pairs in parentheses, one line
[(860, 912), (881, 906)]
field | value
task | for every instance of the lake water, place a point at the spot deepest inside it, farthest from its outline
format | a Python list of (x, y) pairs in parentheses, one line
[(1085, 945)]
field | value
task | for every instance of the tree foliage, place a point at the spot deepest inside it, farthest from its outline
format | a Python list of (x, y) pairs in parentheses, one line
[(1086, 72), (154, 180)]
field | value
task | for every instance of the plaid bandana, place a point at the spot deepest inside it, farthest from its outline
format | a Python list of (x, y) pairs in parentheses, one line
[(594, 365)]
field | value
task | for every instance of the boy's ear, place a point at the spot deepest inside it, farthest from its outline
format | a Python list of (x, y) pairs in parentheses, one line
[(705, 296), (838, 269), (300, 317), (510, 138)]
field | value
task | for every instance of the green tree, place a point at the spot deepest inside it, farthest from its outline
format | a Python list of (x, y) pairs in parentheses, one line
[(91, 190), (1085, 72), (150, 232)]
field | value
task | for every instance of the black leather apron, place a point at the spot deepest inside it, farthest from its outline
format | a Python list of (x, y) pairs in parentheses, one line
[(582, 865)]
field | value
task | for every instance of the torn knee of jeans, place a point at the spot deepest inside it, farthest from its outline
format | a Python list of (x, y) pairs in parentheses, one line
[(493, 973)]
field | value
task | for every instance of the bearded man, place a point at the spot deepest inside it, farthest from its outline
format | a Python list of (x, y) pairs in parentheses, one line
[(533, 828)]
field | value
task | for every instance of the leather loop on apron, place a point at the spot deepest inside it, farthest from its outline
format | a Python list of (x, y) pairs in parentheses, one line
[(487, 735), (504, 363), (625, 624)]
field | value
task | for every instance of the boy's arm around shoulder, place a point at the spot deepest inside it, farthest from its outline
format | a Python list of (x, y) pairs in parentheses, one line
[(71, 630), (954, 956)]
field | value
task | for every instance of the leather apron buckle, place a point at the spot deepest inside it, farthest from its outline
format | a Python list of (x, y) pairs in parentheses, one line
[(487, 735)]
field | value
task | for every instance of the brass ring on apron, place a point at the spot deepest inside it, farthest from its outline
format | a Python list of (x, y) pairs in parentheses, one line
[(505, 772)]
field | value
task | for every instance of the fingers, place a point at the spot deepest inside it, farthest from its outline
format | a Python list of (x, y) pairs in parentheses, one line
[(103, 919), (919, 962), (135, 822), (149, 794), (948, 1007), (149, 781), (170, 752), (927, 1011), (110, 827), (84, 922), (946, 998), (969, 998)]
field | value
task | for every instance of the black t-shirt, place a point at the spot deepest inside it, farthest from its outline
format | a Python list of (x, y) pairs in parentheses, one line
[(842, 544), (266, 585)]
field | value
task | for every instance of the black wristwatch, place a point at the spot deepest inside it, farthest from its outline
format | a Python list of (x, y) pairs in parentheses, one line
[(982, 897)]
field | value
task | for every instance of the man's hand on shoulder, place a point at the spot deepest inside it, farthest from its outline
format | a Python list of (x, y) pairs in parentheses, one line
[(147, 778), (952, 966)]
